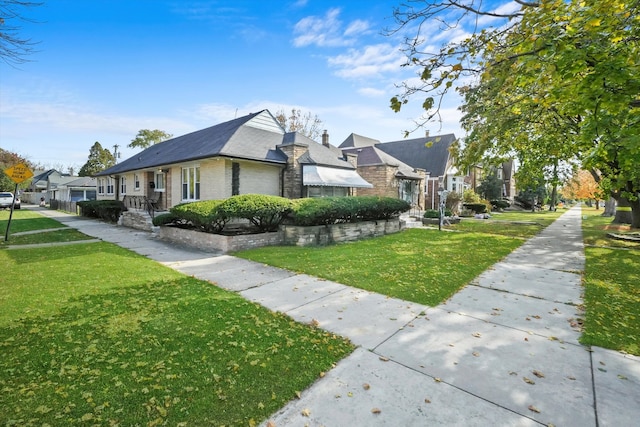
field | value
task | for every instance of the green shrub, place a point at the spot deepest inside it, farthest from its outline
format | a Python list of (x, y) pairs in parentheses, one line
[(434, 213), (500, 204), (470, 196), (331, 210), (263, 211), (108, 210), (476, 207), (203, 215), (164, 219)]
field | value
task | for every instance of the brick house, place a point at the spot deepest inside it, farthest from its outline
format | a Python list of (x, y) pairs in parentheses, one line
[(250, 154), (390, 177), (428, 156)]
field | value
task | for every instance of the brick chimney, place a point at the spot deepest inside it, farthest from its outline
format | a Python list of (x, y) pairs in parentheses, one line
[(325, 138)]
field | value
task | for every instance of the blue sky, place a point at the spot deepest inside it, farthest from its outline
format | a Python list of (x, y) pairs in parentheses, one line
[(104, 69)]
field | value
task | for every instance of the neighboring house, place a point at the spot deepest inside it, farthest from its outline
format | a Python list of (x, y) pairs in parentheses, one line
[(505, 171), (44, 184), (79, 188), (428, 154), (250, 154), (390, 177)]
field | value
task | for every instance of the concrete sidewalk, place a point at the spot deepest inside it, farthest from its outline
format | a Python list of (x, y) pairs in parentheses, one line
[(503, 351)]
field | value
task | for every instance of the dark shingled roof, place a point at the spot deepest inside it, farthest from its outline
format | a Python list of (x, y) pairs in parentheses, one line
[(428, 153), (318, 154), (355, 140), (373, 156), (245, 138)]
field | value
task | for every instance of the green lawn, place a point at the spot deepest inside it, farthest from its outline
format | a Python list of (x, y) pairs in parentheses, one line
[(93, 334), (421, 265), (612, 286)]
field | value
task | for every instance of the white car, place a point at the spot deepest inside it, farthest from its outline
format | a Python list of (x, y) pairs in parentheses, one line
[(6, 199)]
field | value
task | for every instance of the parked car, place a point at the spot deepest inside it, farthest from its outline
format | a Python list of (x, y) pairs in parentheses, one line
[(6, 199)]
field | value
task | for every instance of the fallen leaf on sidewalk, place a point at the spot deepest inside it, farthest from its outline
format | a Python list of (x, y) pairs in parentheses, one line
[(476, 334), (528, 380), (538, 374), (534, 409), (476, 354), (366, 386), (375, 411), (384, 359), (427, 401), (305, 412)]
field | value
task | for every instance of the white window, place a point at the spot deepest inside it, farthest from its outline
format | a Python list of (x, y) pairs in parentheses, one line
[(499, 173), (159, 181), (110, 186), (123, 185), (136, 182), (100, 185), (191, 183)]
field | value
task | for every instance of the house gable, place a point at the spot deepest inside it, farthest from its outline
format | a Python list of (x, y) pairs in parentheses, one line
[(428, 153)]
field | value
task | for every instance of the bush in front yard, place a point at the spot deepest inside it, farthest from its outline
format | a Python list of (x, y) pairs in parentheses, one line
[(108, 210), (203, 215), (331, 210), (263, 211), (434, 213), (476, 207)]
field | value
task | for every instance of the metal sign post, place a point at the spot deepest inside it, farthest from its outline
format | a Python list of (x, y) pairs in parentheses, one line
[(18, 173)]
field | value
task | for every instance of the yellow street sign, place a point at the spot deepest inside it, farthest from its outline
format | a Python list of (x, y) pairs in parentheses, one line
[(19, 173)]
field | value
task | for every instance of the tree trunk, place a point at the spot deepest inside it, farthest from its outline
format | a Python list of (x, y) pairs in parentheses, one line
[(597, 204), (609, 207), (623, 211)]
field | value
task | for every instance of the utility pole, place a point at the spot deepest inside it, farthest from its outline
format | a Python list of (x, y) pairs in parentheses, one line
[(116, 153)]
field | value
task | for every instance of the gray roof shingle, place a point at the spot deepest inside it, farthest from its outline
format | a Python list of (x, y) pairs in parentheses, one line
[(428, 153), (245, 137)]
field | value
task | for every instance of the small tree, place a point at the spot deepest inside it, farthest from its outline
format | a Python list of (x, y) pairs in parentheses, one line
[(491, 187), (306, 124), (99, 160), (146, 138)]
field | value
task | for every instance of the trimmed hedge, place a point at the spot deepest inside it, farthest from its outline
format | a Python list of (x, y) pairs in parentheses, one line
[(476, 207), (203, 215), (108, 210), (265, 212), (332, 210), (500, 204), (434, 213)]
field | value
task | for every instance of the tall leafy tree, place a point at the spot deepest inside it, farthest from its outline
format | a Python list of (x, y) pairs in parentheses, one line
[(559, 85), (7, 160), (296, 121), (146, 138), (99, 160)]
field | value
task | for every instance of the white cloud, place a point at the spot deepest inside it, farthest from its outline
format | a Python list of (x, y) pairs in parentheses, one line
[(371, 92), (321, 31), (357, 27), (373, 60), (326, 31)]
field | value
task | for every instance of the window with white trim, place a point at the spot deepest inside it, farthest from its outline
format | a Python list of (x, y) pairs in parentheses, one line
[(123, 185), (110, 186), (191, 183), (100, 185), (136, 182)]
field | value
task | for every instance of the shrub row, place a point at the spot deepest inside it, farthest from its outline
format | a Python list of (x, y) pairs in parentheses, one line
[(108, 210), (434, 213), (266, 213), (331, 210)]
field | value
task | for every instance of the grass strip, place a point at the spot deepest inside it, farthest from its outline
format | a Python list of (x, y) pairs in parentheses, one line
[(612, 286), (420, 265)]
